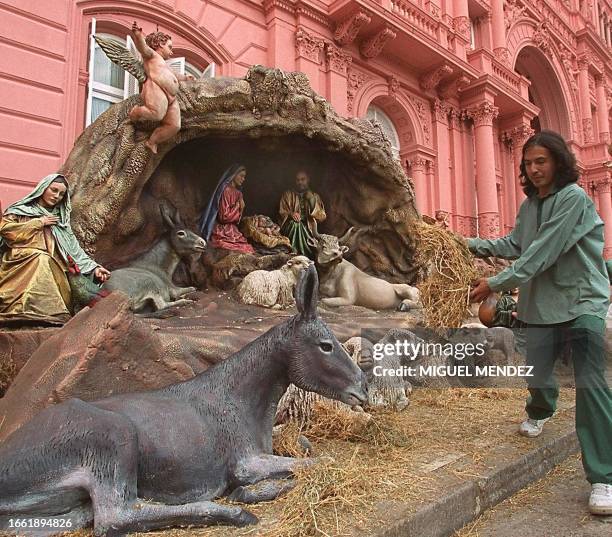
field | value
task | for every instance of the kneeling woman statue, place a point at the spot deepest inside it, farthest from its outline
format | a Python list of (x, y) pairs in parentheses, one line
[(36, 241)]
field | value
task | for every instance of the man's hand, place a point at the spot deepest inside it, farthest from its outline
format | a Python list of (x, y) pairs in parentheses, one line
[(49, 220), (135, 28), (101, 274), (480, 290), (296, 217)]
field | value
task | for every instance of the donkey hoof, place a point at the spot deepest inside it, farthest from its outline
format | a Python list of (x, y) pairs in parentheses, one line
[(239, 494), (245, 518)]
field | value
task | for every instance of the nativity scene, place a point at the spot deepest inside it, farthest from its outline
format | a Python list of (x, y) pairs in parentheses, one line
[(260, 229)]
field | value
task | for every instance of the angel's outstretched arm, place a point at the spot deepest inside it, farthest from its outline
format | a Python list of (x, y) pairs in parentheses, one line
[(145, 50)]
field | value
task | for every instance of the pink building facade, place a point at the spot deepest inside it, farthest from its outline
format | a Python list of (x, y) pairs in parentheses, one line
[(457, 85)]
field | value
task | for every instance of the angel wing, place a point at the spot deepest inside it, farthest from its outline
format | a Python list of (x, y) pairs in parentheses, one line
[(120, 55)]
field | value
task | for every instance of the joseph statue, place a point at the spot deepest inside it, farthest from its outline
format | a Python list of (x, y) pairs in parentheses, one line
[(300, 211)]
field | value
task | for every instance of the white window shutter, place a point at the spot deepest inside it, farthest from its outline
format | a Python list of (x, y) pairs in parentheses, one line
[(177, 65), (209, 72), (92, 44), (130, 86)]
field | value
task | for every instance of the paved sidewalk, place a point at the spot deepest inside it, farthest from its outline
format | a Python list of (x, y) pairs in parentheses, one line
[(555, 506)]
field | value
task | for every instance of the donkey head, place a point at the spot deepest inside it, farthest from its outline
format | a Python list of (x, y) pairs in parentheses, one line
[(317, 361), (183, 241)]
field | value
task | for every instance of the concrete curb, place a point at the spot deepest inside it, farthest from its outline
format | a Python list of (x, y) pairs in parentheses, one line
[(465, 503)]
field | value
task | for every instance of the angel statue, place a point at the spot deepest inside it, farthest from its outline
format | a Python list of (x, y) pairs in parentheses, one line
[(159, 84)]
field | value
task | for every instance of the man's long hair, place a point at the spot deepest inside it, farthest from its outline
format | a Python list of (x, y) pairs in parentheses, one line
[(565, 161)]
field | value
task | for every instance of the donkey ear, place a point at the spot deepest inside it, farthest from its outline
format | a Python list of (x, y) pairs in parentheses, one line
[(178, 221), (307, 293), (166, 217)]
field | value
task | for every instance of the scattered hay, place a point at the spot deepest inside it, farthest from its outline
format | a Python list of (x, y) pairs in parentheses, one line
[(285, 440), (377, 430), (449, 271), (323, 491)]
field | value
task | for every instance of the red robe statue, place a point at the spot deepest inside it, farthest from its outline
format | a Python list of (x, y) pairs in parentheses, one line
[(225, 234)]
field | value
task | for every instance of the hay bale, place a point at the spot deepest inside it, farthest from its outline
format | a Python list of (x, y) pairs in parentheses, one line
[(446, 274)]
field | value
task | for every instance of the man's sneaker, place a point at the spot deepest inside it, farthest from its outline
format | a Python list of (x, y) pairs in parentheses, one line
[(531, 427), (600, 502)]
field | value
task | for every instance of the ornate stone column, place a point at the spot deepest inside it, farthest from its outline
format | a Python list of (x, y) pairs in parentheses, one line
[(458, 175), (337, 63), (603, 188), (499, 32), (417, 164), (280, 26), (509, 182), (486, 184), (585, 98), (602, 109), (441, 110), (519, 135), (309, 56), (461, 23)]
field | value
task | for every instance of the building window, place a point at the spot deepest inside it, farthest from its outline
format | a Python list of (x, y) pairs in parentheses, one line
[(192, 70), (107, 80), (374, 113)]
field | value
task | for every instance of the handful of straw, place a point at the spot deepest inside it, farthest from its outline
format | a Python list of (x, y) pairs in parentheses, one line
[(448, 271)]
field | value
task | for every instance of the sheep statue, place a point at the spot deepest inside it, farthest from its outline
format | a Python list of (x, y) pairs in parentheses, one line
[(384, 390), (273, 288)]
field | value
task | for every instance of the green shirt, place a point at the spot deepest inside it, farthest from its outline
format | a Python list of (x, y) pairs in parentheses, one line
[(558, 245)]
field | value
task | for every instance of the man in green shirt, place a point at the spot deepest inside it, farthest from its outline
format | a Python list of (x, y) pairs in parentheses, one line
[(557, 243)]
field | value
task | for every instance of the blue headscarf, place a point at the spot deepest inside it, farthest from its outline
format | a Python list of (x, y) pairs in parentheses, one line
[(209, 216), (67, 243)]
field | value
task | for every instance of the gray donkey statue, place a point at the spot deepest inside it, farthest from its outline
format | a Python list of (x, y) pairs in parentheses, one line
[(181, 446), (148, 279)]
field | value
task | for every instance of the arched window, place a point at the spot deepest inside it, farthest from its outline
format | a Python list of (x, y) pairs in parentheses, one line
[(107, 80), (376, 114), (192, 70)]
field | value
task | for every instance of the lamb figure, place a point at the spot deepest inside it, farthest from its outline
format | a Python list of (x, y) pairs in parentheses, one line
[(384, 390), (274, 288)]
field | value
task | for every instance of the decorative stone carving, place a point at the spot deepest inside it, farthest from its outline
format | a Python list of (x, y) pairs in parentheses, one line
[(519, 135), (461, 26), (568, 58), (441, 110), (347, 30), (466, 225), (337, 59), (483, 114), (489, 225), (584, 61), (370, 48), (541, 38), (599, 80), (356, 79), (451, 89), (420, 107), (431, 80), (394, 86), (503, 55), (587, 128), (604, 185), (417, 163), (308, 46), (513, 10), (455, 118)]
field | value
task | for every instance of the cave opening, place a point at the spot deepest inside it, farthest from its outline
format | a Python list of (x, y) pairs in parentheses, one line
[(188, 175)]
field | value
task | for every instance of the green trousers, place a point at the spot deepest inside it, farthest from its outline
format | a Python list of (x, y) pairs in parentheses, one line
[(585, 337)]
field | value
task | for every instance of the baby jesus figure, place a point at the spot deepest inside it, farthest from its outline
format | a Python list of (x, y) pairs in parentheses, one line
[(159, 89)]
